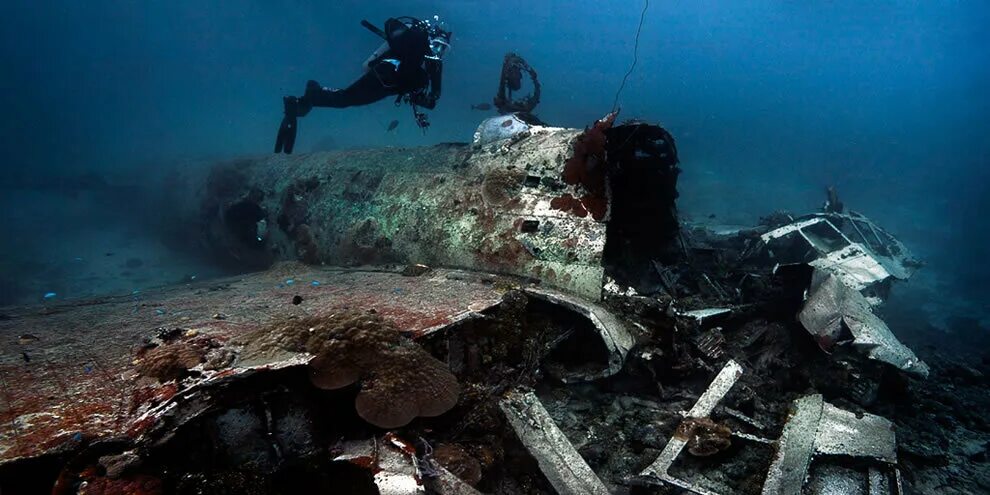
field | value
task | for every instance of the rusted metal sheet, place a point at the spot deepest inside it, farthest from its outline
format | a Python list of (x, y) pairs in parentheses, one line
[(528, 200), (68, 371)]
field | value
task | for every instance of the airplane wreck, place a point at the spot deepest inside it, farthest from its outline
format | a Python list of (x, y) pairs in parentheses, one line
[(526, 313)]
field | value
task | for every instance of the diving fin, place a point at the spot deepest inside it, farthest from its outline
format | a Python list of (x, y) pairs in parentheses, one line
[(286, 138)]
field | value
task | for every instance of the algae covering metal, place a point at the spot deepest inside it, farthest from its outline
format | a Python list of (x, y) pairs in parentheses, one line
[(502, 206), (68, 372)]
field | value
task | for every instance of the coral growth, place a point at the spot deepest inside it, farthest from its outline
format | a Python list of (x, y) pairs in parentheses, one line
[(568, 203), (307, 250), (295, 206), (170, 362), (501, 185), (365, 243), (293, 219), (586, 167), (705, 437), (407, 382), (399, 380)]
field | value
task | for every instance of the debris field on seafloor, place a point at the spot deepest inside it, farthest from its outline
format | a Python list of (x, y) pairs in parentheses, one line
[(523, 314)]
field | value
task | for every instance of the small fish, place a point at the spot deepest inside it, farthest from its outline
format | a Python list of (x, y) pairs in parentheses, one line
[(392, 125), (27, 339), (27, 359), (482, 106), (712, 216)]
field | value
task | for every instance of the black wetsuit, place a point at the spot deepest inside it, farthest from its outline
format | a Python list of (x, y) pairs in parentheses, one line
[(404, 69)]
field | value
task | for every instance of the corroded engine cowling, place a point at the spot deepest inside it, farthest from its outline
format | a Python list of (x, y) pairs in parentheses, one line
[(535, 201)]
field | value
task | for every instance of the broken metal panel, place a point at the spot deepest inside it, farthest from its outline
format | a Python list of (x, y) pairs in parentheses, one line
[(795, 448), (700, 315), (752, 438), (81, 380), (872, 334), (830, 479), (398, 470), (880, 483), (853, 265), (849, 246), (566, 470), (720, 386), (703, 408), (890, 251), (711, 343), (832, 307), (391, 460), (790, 228), (844, 433), (817, 428), (615, 335)]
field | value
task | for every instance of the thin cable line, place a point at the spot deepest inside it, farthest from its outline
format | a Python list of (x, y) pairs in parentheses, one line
[(642, 16)]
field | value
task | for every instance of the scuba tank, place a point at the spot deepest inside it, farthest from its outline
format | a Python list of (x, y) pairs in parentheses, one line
[(409, 38)]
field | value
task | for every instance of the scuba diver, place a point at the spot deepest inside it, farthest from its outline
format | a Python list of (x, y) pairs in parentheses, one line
[(408, 65)]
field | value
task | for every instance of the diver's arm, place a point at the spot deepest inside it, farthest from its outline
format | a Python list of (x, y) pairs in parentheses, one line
[(376, 56), (434, 69)]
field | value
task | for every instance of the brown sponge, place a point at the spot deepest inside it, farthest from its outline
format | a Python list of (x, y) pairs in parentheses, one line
[(399, 380)]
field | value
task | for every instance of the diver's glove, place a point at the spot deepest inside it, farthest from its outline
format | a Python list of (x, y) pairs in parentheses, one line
[(424, 99)]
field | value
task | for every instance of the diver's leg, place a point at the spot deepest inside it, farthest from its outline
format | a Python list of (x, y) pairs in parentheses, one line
[(374, 85), (368, 89)]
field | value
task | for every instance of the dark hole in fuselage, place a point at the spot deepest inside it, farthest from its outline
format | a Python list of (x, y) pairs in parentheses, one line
[(273, 426), (577, 347), (242, 220), (530, 226), (643, 226)]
